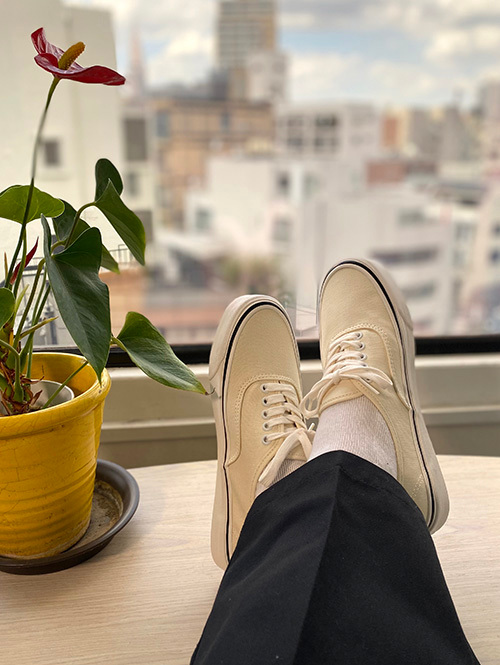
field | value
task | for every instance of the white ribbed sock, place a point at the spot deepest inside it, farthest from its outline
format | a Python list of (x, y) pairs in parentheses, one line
[(288, 466), (357, 427)]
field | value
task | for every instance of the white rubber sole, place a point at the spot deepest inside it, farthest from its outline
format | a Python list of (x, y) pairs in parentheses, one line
[(436, 487), (219, 368)]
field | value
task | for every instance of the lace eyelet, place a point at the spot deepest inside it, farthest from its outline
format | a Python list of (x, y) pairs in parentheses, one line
[(362, 356), (265, 426), (359, 335), (369, 380), (265, 440), (361, 346), (264, 401), (264, 414), (263, 387)]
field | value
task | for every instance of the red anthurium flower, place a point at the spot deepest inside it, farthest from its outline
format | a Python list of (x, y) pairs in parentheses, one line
[(29, 256), (63, 66)]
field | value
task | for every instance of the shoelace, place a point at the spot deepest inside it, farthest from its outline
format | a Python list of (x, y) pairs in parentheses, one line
[(344, 360), (281, 407)]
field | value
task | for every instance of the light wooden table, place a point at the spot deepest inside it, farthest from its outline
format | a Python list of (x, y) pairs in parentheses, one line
[(144, 599)]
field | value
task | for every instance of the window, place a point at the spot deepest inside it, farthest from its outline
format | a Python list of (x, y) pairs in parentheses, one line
[(408, 256), (162, 124), (203, 220), (283, 184), (136, 140), (282, 230), (495, 257), (51, 150), (146, 217), (327, 121), (225, 121), (132, 184), (419, 291), (411, 217), (341, 166)]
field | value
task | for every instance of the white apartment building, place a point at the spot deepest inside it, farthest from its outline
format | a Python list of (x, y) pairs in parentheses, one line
[(306, 214), (83, 123), (388, 224), (481, 295), (340, 130)]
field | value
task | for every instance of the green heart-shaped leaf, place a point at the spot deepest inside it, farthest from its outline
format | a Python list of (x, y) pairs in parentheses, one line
[(148, 349), (14, 199), (7, 304), (126, 223), (81, 297), (104, 171), (62, 227)]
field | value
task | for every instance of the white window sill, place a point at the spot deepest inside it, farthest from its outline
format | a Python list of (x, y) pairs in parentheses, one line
[(145, 423)]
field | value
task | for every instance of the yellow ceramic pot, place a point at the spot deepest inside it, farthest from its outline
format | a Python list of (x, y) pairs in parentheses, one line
[(48, 461)]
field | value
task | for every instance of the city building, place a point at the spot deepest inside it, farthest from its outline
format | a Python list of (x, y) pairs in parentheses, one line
[(189, 130), (244, 27), (267, 74), (303, 214), (343, 130)]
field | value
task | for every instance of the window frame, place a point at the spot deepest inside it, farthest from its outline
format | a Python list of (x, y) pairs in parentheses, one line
[(198, 354)]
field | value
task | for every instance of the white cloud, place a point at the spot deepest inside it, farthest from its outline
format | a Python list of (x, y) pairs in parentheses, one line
[(465, 42), (190, 42), (177, 37), (320, 75)]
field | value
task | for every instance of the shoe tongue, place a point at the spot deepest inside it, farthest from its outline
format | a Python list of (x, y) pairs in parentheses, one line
[(343, 391)]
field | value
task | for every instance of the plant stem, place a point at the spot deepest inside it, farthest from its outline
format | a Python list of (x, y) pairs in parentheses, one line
[(22, 234), (75, 222), (63, 384), (29, 303), (39, 305), (18, 390)]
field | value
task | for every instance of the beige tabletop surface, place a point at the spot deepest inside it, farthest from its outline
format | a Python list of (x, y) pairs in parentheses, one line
[(144, 599)]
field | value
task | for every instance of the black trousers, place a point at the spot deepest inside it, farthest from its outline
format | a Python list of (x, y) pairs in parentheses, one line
[(335, 566)]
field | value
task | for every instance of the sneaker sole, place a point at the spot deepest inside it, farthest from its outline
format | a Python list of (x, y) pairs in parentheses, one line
[(219, 366), (435, 484)]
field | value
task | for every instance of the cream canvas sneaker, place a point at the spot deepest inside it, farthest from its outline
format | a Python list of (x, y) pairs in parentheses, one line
[(367, 348), (256, 392)]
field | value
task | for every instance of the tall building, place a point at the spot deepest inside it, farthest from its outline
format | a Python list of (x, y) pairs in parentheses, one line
[(244, 27)]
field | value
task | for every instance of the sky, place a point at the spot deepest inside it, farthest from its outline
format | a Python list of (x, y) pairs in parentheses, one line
[(390, 52)]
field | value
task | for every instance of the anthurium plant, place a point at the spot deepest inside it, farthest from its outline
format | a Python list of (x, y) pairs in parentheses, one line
[(73, 254)]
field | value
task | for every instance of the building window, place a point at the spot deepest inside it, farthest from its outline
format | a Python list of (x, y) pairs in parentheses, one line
[(327, 121), (495, 256), (146, 217), (311, 185), (225, 121), (136, 140), (51, 150), (163, 124), (419, 291), (132, 184), (283, 184), (282, 230), (411, 217), (406, 256), (203, 220)]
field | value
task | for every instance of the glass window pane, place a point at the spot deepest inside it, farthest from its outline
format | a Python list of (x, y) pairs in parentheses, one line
[(261, 142)]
